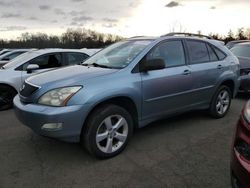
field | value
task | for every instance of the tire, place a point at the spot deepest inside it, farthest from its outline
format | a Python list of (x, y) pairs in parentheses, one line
[(235, 183), (7, 95), (113, 136), (221, 102)]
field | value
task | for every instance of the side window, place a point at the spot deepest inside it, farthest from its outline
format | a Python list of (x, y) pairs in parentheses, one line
[(76, 58), (219, 53), (48, 61), (198, 52), (172, 52), (212, 54)]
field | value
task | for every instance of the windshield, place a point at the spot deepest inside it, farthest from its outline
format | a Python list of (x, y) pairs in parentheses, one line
[(241, 51), (21, 58), (118, 55)]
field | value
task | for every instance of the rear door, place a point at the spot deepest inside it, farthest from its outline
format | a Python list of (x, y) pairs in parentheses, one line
[(206, 69), (166, 91), (45, 62)]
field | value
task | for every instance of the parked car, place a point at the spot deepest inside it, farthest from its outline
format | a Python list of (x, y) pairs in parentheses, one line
[(3, 51), (16, 71), (91, 51), (242, 51), (240, 160), (128, 85), (6, 57), (231, 44)]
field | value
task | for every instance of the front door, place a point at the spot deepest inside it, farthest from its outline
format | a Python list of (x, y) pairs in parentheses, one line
[(166, 91)]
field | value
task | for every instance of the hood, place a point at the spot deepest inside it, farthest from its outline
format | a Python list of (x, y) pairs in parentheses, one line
[(69, 75), (244, 62)]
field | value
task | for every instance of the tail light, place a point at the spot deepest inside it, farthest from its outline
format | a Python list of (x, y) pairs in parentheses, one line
[(246, 112)]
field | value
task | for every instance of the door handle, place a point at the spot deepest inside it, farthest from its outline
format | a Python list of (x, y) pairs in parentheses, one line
[(186, 72), (219, 67)]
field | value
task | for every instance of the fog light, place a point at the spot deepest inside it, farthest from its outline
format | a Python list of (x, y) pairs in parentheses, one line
[(243, 148), (52, 126)]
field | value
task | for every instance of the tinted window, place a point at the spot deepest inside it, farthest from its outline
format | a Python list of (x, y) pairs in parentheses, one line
[(76, 58), (219, 53), (241, 51), (47, 61), (14, 55), (212, 54), (171, 52), (198, 52)]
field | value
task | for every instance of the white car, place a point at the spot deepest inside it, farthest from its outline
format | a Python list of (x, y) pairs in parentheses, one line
[(91, 51), (13, 74), (8, 56)]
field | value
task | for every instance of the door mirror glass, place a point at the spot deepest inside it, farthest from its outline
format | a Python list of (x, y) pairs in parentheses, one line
[(152, 64), (32, 67)]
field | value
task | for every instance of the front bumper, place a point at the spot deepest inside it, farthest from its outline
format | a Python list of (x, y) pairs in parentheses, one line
[(240, 166), (35, 116), (245, 82)]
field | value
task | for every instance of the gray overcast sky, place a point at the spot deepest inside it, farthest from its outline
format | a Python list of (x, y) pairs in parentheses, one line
[(123, 17)]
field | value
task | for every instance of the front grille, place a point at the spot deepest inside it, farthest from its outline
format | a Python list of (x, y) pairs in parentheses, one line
[(28, 89)]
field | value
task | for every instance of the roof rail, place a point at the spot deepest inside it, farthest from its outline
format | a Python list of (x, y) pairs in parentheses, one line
[(186, 34), (136, 37)]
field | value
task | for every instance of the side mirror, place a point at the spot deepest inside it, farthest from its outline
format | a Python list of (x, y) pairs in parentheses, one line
[(31, 68), (152, 64)]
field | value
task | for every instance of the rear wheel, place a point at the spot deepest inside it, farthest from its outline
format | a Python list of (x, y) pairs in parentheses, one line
[(221, 102), (7, 95), (107, 131)]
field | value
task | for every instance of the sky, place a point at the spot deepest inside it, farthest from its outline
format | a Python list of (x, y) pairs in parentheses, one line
[(123, 17)]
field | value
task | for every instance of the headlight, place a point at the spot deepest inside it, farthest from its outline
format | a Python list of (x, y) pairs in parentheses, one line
[(246, 112), (58, 97)]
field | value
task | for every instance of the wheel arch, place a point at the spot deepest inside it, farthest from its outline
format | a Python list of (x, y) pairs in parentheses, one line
[(8, 85), (123, 101)]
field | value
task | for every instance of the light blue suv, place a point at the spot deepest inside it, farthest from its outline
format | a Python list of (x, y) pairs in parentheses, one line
[(128, 85)]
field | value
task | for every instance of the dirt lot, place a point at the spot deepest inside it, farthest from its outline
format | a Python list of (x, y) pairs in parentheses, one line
[(191, 150)]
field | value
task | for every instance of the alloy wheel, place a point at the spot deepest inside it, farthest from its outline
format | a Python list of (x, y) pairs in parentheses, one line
[(112, 133), (223, 102)]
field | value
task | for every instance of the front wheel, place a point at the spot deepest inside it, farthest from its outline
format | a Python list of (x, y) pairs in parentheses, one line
[(107, 131), (221, 102)]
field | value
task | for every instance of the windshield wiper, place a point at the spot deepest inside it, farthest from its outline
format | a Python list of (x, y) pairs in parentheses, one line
[(97, 65)]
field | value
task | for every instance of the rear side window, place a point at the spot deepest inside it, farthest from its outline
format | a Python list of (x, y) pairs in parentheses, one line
[(171, 52), (213, 56), (198, 52), (221, 55), (76, 58)]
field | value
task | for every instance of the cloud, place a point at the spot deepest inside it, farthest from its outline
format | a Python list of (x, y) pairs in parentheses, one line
[(10, 15), (59, 11), (44, 7), (82, 18), (76, 13), (5, 4), (172, 4), (13, 28), (77, 1), (33, 18), (110, 20), (109, 25)]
